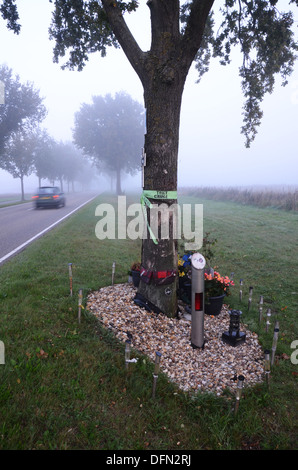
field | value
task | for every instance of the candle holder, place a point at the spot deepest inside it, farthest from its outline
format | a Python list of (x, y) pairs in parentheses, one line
[(234, 336)]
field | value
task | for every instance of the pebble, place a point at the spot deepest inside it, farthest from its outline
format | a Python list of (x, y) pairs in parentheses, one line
[(214, 368)]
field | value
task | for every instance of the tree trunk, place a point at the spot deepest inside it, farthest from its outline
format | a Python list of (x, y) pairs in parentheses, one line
[(22, 188), (118, 181), (163, 97), (162, 71)]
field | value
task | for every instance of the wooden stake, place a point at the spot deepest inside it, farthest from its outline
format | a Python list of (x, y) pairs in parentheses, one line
[(113, 272), (80, 304), (261, 308), (70, 277), (240, 292), (250, 297)]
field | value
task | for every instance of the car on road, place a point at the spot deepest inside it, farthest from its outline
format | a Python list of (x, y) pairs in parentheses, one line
[(48, 196)]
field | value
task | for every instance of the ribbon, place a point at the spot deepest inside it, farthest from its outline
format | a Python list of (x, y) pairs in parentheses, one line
[(155, 194)]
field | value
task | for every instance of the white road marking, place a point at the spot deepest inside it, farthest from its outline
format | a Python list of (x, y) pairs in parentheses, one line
[(20, 247)]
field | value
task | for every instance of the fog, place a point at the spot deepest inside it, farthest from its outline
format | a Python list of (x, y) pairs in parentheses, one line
[(211, 152)]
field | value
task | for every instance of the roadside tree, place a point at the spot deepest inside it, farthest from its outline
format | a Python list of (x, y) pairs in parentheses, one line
[(18, 156), (181, 33), (22, 106)]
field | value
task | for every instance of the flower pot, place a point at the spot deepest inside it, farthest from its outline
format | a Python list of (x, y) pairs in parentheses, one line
[(213, 305), (185, 289), (135, 278)]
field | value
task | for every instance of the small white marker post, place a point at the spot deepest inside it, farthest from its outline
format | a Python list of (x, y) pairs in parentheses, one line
[(274, 344), (239, 392), (70, 277), (80, 304), (156, 372), (240, 291), (113, 272), (250, 297), (267, 366), (268, 319), (261, 308), (127, 352)]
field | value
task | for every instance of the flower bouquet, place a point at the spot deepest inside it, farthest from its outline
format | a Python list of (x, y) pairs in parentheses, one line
[(216, 285), (216, 288)]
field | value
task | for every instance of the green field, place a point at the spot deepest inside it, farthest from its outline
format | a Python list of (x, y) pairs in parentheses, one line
[(64, 384)]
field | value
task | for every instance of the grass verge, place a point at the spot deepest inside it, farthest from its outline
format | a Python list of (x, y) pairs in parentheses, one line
[(64, 384)]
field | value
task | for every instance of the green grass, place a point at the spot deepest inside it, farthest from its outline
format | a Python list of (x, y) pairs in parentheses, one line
[(64, 384)]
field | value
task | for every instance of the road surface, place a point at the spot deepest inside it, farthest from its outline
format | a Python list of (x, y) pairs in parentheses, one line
[(22, 224)]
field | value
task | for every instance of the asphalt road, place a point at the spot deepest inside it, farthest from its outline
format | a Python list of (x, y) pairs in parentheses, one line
[(22, 224)]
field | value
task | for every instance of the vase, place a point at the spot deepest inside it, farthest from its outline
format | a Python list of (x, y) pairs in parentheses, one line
[(213, 305), (184, 291), (135, 278)]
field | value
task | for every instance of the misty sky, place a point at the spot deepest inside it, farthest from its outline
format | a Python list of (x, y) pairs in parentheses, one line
[(212, 150)]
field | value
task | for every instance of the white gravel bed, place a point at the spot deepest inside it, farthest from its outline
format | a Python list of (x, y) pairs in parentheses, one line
[(213, 368)]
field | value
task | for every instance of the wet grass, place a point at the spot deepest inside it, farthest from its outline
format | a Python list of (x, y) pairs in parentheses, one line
[(64, 384)]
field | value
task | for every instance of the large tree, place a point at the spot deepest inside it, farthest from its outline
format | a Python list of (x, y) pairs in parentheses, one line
[(18, 156), (44, 153), (111, 131), (22, 105), (181, 32)]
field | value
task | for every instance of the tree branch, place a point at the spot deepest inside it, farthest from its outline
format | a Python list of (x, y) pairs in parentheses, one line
[(124, 36), (194, 30)]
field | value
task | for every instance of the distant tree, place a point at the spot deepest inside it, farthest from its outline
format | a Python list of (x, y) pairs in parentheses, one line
[(111, 131), (18, 156), (44, 152), (69, 163), (22, 106)]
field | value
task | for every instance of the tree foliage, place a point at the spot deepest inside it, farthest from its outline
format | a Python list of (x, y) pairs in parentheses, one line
[(22, 106), (9, 12), (264, 34), (18, 156)]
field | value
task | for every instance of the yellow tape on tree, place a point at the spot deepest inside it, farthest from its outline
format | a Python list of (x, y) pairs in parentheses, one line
[(156, 194)]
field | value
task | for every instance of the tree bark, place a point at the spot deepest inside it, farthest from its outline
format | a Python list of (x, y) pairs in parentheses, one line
[(163, 95), (162, 71)]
